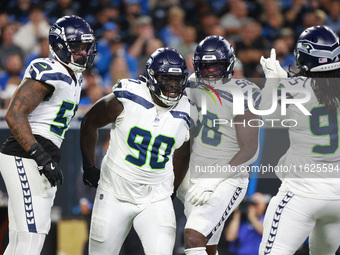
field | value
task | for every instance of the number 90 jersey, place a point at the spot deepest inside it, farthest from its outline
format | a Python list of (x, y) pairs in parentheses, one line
[(52, 117), (313, 159), (143, 139)]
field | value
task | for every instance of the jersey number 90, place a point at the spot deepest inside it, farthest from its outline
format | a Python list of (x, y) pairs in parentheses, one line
[(161, 147)]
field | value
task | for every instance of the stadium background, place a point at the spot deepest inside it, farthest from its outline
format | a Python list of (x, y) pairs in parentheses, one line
[(127, 32)]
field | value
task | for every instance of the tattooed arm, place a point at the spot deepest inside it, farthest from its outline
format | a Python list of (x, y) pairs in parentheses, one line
[(26, 98)]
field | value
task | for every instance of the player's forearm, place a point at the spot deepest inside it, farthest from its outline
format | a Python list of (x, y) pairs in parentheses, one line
[(245, 156), (88, 142), (20, 129)]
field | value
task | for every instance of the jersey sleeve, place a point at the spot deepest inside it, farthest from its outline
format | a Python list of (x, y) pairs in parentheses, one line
[(47, 71)]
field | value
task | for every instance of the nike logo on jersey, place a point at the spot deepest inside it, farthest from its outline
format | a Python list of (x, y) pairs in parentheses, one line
[(43, 66), (52, 167)]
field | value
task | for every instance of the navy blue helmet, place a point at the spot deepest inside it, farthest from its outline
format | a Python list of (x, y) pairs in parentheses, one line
[(317, 50), (214, 59), (69, 36), (167, 75)]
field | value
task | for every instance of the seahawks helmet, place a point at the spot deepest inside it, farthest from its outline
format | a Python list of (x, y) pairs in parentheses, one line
[(317, 50), (214, 59), (167, 75), (70, 36)]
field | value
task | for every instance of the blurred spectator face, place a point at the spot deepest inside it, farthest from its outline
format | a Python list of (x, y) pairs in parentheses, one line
[(218, 30), (36, 16), (24, 5), (95, 93), (260, 203), (176, 16), (239, 8), (3, 19), (64, 4), (250, 31), (14, 64), (189, 34), (334, 10), (309, 19), (111, 31), (7, 35), (208, 21), (152, 45), (287, 35), (44, 48), (133, 7), (281, 48)]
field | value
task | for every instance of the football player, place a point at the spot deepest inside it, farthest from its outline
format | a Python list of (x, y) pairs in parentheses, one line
[(38, 117), (225, 141), (150, 121), (308, 200)]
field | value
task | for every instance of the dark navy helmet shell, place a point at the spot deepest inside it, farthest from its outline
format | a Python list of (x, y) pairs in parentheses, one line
[(214, 51), (72, 35), (317, 50), (167, 75)]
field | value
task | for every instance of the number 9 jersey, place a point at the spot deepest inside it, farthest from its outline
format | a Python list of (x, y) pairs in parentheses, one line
[(138, 165), (313, 156)]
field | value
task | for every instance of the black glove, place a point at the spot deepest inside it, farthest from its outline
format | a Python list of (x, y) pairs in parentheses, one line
[(46, 165), (91, 176)]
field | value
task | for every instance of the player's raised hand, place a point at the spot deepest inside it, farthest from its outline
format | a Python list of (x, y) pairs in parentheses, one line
[(269, 65)]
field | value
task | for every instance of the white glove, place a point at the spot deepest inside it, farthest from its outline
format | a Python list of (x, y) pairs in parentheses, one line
[(202, 190), (282, 73), (271, 67)]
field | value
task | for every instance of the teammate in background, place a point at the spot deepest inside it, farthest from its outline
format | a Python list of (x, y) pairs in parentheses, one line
[(211, 198), (149, 143), (38, 117), (308, 202)]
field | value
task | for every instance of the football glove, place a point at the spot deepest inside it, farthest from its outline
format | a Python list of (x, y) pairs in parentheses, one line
[(91, 176), (202, 190), (271, 67), (46, 165)]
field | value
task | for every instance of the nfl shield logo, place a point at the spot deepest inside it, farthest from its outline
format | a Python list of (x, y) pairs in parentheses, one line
[(101, 196)]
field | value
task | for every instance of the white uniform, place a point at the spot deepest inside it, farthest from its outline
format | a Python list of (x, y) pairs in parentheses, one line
[(308, 201), (30, 194), (137, 176), (215, 145)]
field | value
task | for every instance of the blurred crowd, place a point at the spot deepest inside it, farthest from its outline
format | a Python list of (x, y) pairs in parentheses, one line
[(128, 31)]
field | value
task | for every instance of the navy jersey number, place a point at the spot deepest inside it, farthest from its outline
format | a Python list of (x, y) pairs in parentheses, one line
[(331, 130), (61, 119), (209, 130), (140, 139)]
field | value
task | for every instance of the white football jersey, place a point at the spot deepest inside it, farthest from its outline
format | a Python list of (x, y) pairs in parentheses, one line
[(143, 140), (216, 142), (312, 161), (52, 117)]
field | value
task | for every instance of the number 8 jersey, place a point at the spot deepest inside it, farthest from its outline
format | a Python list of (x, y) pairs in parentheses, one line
[(138, 165)]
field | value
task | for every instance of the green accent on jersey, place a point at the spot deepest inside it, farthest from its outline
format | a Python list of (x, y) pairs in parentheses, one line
[(43, 66)]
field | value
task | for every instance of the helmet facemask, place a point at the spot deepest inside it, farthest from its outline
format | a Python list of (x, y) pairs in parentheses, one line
[(211, 71), (170, 87), (72, 42)]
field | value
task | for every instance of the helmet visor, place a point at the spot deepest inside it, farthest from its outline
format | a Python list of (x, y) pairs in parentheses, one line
[(212, 70), (82, 51), (172, 86)]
